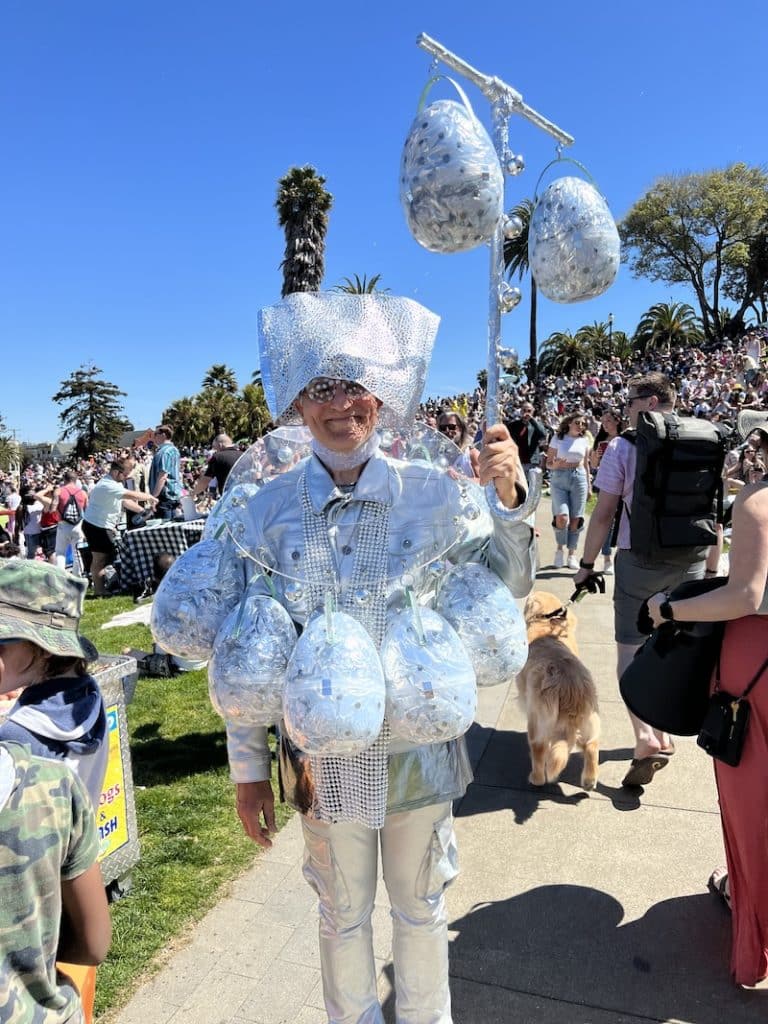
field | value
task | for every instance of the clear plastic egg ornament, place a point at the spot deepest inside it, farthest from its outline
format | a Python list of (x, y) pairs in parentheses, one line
[(250, 655), (431, 690), (333, 701), (485, 615), (451, 182), (573, 242), (194, 598)]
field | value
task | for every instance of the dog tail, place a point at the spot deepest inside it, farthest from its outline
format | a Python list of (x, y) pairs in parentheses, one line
[(576, 690)]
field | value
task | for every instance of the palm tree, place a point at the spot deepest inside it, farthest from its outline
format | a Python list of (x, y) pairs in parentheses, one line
[(565, 353), (666, 324), (189, 426), (302, 211), (256, 413), (221, 376), (360, 286), (516, 262), (599, 337)]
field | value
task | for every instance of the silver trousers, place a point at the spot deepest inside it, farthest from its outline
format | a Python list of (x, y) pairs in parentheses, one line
[(418, 856)]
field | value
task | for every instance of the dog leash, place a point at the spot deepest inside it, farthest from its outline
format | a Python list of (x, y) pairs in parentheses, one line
[(593, 584)]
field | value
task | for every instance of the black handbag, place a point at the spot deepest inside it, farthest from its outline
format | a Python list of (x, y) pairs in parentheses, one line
[(667, 682), (725, 724)]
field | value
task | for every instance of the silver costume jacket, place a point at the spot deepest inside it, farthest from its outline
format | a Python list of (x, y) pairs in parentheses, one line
[(433, 518)]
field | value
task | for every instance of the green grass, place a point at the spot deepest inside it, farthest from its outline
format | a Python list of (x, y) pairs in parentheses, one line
[(192, 844)]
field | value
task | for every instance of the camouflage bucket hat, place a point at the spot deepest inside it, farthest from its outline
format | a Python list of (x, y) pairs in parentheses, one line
[(43, 604)]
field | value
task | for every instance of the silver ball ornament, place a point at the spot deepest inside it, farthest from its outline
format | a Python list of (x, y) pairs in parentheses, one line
[(509, 297), (512, 226), (514, 166)]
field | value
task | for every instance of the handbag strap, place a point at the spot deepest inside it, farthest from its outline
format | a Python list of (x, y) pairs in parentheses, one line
[(751, 683)]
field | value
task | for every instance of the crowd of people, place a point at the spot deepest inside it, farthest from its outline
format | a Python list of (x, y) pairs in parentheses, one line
[(395, 795)]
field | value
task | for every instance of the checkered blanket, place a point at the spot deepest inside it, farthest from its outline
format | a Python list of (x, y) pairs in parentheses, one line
[(139, 548)]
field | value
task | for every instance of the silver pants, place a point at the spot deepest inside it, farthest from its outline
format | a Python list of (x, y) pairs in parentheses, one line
[(418, 856)]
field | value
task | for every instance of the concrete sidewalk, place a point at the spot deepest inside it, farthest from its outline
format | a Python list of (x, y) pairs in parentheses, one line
[(571, 908)]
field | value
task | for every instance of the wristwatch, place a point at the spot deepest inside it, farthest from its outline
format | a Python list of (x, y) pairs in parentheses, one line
[(665, 610)]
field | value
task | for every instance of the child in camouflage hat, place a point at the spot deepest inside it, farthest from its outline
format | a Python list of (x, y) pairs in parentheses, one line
[(60, 711)]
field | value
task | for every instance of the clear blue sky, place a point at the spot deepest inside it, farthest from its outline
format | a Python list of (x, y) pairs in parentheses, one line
[(142, 140)]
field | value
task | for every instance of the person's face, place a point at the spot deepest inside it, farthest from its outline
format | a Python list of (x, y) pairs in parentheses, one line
[(123, 475), (447, 425), (609, 423), (17, 663), (577, 427), (638, 402), (344, 421), (527, 412)]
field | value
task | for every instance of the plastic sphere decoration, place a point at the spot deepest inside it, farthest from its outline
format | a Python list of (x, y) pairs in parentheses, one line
[(333, 701), (451, 183), (431, 690), (509, 297), (514, 166), (573, 243), (512, 226)]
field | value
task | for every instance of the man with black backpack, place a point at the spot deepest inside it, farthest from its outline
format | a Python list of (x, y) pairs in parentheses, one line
[(666, 473), (70, 500)]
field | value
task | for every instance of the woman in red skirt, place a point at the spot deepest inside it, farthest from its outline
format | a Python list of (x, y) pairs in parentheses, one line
[(743, 604)]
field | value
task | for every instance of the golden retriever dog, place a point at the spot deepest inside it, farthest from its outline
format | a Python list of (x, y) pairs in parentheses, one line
[(558, 693)]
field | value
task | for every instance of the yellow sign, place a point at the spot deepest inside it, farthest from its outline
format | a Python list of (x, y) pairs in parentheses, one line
[(112, 818)]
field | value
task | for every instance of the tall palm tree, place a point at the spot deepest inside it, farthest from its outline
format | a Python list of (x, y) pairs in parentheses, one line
[(360, 286), (302, 211), (666, 324), (599, 337), (516, 262), (565, 353), (187, 420), (221, 376)]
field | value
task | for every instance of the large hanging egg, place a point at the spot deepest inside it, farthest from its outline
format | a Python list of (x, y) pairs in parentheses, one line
[(451, 183), (194, 598), (250, 655), (484, 614), (573, 244), (333, 701), (431, 691)]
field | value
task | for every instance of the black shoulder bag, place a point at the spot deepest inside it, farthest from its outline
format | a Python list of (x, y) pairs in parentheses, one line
[(725, 724)]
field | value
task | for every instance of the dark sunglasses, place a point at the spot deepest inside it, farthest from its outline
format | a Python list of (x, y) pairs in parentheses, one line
[(323, 389)]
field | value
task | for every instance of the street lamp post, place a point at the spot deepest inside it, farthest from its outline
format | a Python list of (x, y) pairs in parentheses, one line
[(610, 335)]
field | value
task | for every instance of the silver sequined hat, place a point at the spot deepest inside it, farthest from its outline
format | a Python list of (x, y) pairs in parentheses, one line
[(383, 342)]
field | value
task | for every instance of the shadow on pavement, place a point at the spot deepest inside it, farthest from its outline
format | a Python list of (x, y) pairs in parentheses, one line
[(502, 764)]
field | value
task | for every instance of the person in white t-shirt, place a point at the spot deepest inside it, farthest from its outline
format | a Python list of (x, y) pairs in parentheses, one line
[(570, 484)]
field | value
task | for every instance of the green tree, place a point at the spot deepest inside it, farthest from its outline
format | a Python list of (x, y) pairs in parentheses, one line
[(565, 353), (9, 450), (598, 336), (255, 411), (190, 427), (302, 211), (93, 412), (667, 324), (360, 286), (699, 230), (516, 262), (221, 376), (482, 379)]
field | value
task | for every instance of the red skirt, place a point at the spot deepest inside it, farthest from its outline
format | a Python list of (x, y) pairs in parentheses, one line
[(744, 801)]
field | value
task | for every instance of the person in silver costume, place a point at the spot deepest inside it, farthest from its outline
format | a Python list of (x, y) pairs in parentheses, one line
[(341, 403)]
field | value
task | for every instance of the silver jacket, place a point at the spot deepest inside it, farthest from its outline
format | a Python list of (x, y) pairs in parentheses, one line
[(433, 517)]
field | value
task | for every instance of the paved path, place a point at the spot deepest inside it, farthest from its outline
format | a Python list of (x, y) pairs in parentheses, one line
[(571, 908)]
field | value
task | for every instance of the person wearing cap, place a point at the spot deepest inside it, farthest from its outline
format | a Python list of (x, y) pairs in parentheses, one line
[(60, 711), (742, 603), (351, 522)]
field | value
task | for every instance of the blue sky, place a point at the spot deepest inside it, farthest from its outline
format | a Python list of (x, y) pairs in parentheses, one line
[(142, 140)]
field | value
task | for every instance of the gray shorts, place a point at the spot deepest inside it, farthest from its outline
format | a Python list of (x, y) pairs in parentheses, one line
[(635, 581)]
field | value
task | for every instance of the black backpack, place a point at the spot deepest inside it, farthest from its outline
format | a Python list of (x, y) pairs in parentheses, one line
[(72, 513), (678, 489)]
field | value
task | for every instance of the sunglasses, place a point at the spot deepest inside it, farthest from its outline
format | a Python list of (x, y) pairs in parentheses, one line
[(323, 389), (637, 398), (445, 427)]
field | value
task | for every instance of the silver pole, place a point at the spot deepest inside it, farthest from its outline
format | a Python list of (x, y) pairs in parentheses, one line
[(505, 101)]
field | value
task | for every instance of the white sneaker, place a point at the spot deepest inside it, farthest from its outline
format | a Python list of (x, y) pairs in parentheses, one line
[(573, 562), (607, 567), (559, 559)]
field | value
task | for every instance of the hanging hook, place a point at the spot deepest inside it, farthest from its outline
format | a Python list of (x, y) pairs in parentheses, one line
[(435, 63), (559, 151)]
